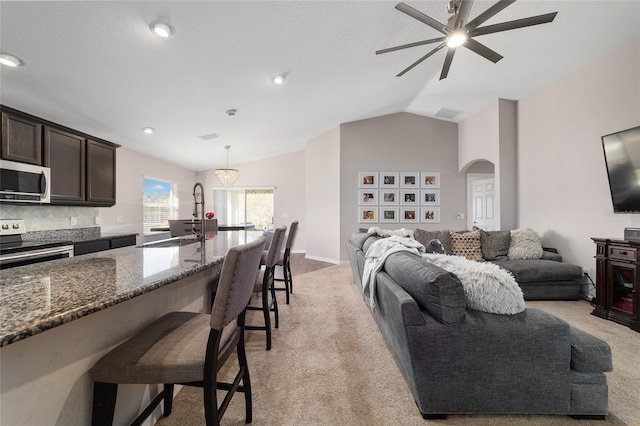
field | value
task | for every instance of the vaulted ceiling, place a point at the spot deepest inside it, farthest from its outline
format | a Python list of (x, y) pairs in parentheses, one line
[(95, 66)]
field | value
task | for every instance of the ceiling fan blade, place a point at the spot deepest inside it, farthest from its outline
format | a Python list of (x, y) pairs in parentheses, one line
[(447, 63), (410, 67), (489, 13), (482, 50), (463, 13), (512, 25), (406, 46), (416, 14)]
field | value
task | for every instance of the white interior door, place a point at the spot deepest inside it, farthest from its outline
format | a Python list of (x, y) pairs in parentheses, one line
[(483, 199)]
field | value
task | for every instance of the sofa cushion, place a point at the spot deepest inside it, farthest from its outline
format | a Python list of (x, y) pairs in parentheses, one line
[(525, 244), (369, 241), (358, 239), (424, 237), (588, 353), (435, 290), (466, 244), (537, 270), (495, 244), (487, 287)]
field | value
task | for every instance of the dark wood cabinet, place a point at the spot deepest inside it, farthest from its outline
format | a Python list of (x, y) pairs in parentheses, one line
[(64, 153), (21, 138), (83, 168), (617, 281)]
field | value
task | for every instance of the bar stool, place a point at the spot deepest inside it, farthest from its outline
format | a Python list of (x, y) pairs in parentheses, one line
[(284, 261), (264, 285), (186, 348)]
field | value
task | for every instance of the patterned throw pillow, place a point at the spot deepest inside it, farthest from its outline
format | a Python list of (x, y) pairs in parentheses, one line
[(467, 245)]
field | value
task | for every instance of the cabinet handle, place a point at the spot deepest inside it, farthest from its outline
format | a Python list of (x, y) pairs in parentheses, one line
[(624, 253)]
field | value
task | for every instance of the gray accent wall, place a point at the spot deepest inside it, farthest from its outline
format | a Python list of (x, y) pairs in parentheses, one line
[(400, 142)]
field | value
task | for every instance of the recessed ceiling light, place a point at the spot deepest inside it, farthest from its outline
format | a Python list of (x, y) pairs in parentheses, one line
[(162, 29), (148, 130), (10, 60), (279, 79)]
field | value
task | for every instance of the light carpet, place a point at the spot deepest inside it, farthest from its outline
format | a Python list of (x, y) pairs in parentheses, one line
[(329, 365)]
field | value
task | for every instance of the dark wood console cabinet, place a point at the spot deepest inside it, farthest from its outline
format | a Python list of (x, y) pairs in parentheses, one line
[(618, 281)]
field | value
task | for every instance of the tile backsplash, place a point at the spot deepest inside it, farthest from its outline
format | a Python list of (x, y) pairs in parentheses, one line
[(41, 218)]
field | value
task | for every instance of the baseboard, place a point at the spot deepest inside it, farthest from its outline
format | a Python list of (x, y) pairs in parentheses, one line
[(323, 259)]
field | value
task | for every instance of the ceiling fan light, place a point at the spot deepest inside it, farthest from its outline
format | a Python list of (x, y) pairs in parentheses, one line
[(457, 38)]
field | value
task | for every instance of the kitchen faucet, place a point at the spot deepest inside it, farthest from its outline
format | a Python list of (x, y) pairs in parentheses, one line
[(201, 234)]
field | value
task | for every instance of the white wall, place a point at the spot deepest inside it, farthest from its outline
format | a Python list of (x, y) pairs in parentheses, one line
[(285, 173), (563, 187), (322, 186), (131, 167), (400, 142)]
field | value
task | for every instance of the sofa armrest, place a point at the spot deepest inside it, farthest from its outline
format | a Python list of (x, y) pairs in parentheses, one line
[(551, 254), (589, 354)]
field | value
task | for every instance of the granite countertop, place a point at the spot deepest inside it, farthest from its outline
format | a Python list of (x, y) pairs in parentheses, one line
[(38, 297), (76, 235)]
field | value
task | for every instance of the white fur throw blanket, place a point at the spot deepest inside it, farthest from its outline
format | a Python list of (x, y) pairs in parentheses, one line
[(377, 254), (402, 232), (487, 287)]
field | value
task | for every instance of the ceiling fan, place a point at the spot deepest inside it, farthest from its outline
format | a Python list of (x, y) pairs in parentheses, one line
[(458, 32)]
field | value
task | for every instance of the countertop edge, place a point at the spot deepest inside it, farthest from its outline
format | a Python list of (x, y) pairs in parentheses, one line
[(39, 326)]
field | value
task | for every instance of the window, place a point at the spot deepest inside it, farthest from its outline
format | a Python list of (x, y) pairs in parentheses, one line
[(160, 203), (244, 205)]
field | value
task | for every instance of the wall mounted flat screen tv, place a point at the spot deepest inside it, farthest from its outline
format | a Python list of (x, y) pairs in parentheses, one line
[(622, 158)]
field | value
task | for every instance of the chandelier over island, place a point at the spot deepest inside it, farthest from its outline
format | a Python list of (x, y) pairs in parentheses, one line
[(227, 177)]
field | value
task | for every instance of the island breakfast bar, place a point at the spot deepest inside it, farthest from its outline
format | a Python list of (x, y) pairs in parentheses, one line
[(59, 317)]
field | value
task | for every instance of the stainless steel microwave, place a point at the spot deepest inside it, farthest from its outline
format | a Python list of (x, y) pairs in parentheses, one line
[(24, 183)]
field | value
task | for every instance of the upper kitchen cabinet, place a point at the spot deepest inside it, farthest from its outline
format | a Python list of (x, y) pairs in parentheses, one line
[(21, 138), (65, 155), (101, 173), (83, 168)]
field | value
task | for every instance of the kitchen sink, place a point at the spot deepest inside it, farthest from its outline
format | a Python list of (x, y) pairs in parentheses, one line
[(172, 242)]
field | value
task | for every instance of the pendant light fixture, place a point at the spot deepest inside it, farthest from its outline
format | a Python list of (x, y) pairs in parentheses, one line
[(227, 177)]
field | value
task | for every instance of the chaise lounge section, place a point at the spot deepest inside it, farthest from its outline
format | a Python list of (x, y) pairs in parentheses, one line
[(458, 360)]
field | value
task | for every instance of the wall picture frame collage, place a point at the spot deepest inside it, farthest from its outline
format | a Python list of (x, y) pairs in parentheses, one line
[(393, 197)]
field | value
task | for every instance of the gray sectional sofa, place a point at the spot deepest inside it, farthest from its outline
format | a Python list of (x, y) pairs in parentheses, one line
[(457, 360)]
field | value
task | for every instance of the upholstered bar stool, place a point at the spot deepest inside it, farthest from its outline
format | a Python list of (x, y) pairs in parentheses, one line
[(186, 348), (284, 261), (264, 285)]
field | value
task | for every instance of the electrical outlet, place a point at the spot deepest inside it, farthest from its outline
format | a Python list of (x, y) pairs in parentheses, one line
[(585, 270), (460, 216), (97, 220), (74, 221)]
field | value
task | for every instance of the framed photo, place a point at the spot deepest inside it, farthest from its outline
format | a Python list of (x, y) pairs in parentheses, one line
[(430, 214), (388, 214), (430, 197), (409, 214), (367, 214), (409, 180), (368, 180), (409, 197), (368, 196), (389, 180), (389, 197), (430, 180)]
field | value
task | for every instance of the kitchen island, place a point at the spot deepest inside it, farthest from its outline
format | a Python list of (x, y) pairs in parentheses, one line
[(59, 317)]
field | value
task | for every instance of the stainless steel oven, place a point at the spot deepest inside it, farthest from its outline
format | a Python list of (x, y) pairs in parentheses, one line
[(16, 252)]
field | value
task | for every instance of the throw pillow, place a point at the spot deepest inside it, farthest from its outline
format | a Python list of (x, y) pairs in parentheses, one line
[(466, 244), (424, 237), (434, 246), (487, 287), (495, 244), (525, 244)]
